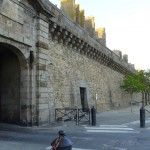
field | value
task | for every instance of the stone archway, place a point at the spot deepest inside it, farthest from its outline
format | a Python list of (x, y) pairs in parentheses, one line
[(11, 61)]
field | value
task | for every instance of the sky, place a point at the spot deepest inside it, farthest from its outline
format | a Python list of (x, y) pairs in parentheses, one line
[(127, 25)]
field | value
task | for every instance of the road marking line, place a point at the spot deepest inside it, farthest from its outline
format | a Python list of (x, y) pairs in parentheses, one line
[(111, 131), (116, 148), (72, 148), (48, 147), (123, 126), (79, 149), (103, 128)]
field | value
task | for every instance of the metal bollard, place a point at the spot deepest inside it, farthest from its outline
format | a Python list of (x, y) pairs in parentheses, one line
[(142, 117), (93, 116), (61, 143)]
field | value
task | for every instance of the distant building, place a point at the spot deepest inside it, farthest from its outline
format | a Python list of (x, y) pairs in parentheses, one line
[(68, 7), (125, 58), (101, 35), (132, 66), (118, 53), (90, 25)]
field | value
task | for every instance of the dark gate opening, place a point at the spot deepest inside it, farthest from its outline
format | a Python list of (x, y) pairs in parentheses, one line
[(0, 85), (83, 96), (9, 86)]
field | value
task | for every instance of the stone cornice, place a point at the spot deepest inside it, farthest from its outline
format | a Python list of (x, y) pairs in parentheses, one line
[(70, 40), (43, 6), (65, 31)]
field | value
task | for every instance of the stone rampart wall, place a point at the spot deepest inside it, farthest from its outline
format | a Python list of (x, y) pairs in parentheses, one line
[(68, 69), (65, 59)]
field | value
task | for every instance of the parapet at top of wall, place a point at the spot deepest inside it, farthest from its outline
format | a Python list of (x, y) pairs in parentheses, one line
[(59, 18)]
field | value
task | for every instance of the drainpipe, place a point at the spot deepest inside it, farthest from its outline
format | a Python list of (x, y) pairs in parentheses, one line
[(31, 61)]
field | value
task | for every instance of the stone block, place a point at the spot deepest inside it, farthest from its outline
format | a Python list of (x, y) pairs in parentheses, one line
[(44, 94), (41, 61), (43, 100), (44, 116), (41, 84), (1, 31), (42, 39), (42, 28), (42, 22), (43, 106), (42, 33), (43, 90), (42, 51), (41, 67), (41, 56), (42, 45)]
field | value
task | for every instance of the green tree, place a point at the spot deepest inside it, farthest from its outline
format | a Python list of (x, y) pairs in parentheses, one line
[(136, 83), (133, 83), (146, 80)]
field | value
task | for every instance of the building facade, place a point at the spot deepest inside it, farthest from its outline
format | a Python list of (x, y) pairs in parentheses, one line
[(47, 61)]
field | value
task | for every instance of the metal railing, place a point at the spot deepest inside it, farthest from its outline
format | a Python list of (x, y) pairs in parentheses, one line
[(74, 114)]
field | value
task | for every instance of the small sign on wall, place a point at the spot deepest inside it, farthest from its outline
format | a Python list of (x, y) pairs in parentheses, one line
[(96, 96)]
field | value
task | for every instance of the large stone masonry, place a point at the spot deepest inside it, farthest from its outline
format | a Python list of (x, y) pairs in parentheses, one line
[(42, 96), (17, 33), (71, 45), (58, 59)]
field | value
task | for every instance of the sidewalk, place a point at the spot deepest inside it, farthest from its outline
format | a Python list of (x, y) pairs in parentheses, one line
[(124, 116), (121, 116), (112, 117)]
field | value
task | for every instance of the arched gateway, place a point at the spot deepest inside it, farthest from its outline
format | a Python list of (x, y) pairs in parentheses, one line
[(12, 64)]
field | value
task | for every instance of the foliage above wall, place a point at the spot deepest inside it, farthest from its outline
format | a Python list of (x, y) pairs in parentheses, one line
[(136, 83)]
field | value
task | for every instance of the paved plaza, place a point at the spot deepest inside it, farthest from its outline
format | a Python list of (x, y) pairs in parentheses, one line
[(115, 130)]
